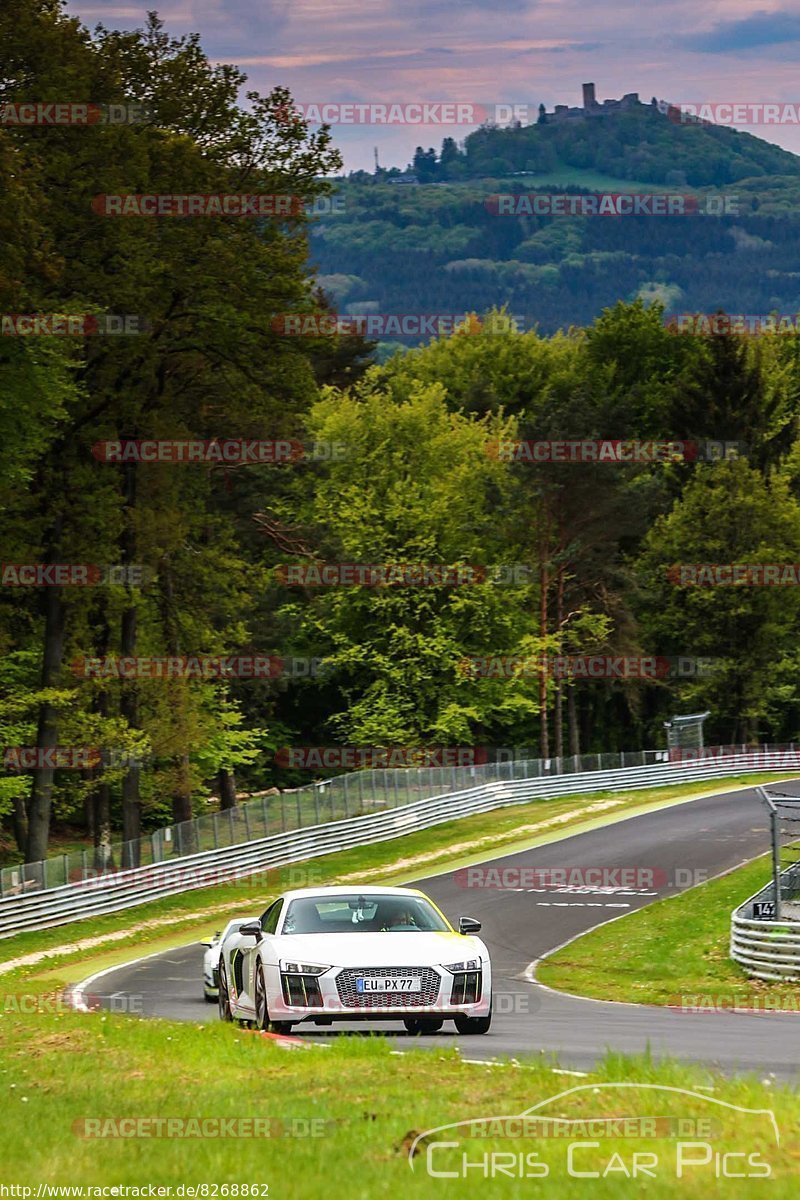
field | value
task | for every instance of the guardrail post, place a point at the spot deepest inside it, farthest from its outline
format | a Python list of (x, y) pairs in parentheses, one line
[(316, 804), (44, 872), (265, 814), (346, 799), (215, 830), (776, 861)]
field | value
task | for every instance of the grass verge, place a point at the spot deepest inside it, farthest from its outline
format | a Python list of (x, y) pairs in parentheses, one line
[(80, 1094), (673, 952)]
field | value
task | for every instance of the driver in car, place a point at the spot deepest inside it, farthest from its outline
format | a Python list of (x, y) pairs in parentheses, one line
[(399, 918)]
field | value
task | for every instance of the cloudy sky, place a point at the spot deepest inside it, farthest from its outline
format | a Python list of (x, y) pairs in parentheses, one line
[(485, 52)]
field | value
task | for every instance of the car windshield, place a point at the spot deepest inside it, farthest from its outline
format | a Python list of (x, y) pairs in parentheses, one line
[(362, 913)]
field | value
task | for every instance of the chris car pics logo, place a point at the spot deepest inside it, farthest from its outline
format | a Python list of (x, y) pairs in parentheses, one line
[(628, 1131)]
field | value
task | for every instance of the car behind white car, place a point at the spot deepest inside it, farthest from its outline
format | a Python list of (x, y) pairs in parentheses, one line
[(211, 958), (347, 954)]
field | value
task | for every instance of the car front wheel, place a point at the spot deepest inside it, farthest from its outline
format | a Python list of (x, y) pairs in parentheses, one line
[(262, 1013), (465, 1024), (223, 997), (423, 1025)]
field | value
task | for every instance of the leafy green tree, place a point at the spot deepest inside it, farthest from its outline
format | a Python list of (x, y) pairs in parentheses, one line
[(211, 363), (417, 487), (728, 513)]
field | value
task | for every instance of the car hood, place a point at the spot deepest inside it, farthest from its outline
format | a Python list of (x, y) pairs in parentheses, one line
[(379, 949)]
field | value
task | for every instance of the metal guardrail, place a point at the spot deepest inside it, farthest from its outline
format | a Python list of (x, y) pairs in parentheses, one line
[(765, 948), (275, 811), (765, 930), (128, 888), (331, 799)]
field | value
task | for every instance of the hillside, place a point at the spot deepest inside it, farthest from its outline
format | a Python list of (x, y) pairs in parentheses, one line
[(639, 144), (438, 247)]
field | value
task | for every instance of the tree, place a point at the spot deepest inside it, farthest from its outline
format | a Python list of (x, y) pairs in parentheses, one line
[(728, 513), (417, 487), (207, 287)]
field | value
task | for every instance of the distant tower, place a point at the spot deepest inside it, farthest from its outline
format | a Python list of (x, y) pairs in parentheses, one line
[(377, 164), (588, 95)]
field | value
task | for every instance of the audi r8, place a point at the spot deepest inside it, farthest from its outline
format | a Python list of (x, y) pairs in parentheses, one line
[(356, 954)]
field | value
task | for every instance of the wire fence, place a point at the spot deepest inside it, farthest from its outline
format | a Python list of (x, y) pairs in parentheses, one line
[(356, 794)]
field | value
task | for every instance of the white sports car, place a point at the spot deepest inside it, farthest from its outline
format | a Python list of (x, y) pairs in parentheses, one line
[(344, 954), (211, 958)]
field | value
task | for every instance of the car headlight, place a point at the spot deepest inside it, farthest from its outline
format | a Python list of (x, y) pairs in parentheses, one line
[(471, 964), (300, 968)]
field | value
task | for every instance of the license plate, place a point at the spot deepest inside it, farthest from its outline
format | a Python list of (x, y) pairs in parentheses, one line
[(389, 983)]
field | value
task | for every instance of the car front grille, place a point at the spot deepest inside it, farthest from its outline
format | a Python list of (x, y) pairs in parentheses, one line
[(351, 998)]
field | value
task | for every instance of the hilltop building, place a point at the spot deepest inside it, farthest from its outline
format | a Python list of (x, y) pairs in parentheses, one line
[(592, 107)]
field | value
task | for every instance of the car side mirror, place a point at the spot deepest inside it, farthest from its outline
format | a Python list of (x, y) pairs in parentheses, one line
[(207, 944), (468, 925), (252, 929)]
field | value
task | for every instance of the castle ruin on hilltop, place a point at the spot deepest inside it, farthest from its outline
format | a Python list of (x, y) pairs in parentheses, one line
[(592, 107)]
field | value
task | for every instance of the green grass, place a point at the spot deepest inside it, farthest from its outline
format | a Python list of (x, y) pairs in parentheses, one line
[(673, 952), (175, 921), (351, 1112)]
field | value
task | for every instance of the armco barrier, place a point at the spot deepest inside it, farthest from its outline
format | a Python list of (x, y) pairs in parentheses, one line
[(127, 888), (766, 949)]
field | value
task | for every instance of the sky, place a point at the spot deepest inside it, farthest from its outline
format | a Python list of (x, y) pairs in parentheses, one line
[(488, 52)]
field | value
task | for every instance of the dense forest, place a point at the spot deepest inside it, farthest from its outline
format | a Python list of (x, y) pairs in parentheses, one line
[(394, 463), (446, 248), (446, 244)]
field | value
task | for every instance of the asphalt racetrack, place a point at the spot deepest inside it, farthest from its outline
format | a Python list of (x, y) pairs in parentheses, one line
[(679, 844)]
